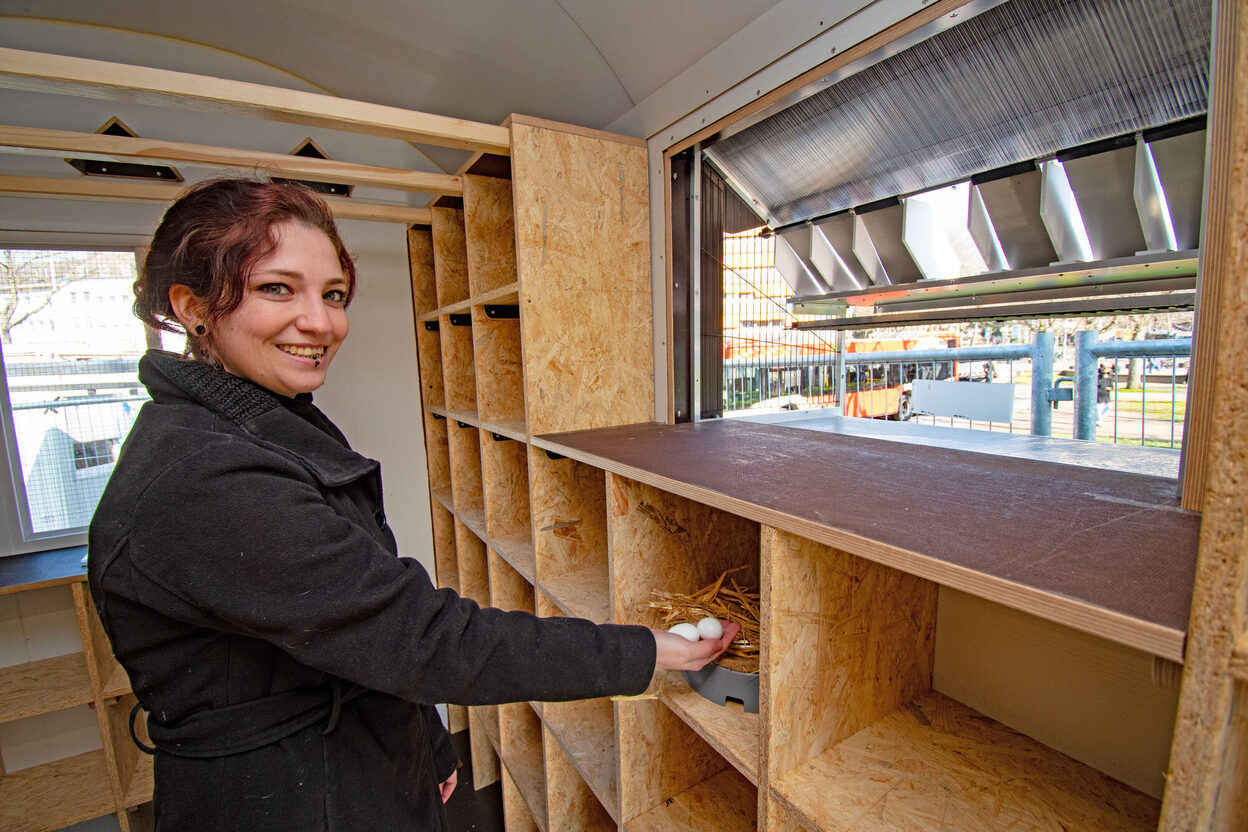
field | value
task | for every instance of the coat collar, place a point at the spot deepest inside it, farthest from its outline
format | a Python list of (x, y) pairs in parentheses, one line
[(254, 410)]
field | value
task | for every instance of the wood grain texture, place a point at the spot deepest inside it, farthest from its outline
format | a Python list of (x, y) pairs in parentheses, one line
[(568, 506), (505, 480), (429, 359), (586, 732), (483, 744), (457, 716), (56, 794), (420, 265), (102, 667), (722, 803), (581, 593), (727, 728), (520, 736), (516, 815), (1207, 783), (474, 576), (660, 757), (583, 253), (774, 817), (43, 686), (445, 561), (508, 588), (936, 764), (437, 452), (490, 233), (465, 454), (1120, 563), (571, 805), (518, 552), (661, 541), (849, 639), (500, 382), (459, 372), (450, 255)]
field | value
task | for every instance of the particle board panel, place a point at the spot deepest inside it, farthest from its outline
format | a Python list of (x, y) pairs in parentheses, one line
[(516, 815), (583, 255), (500, 384), (571, 805), (117, 683), (429, 360), (43, 686), (722, 803), (450, 255), (661, 541), (851, 640), (483, 744), (660, 757), (132, 771), (521, 752), (445, 562), (457, 716), (586, 732), (490, 233), (569, 511), (508, 588), (727, 728), (517, 551), (1110, 553), (583, 593), (437, 451), (935, 763), (474, 576), (511, 429), (505, 478), (56, 794), (474, 520), (465, 456), (420, 264), (459, 372)]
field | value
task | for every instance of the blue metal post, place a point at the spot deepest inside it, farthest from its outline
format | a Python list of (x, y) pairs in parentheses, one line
[(1041, 382), (1085, 385)]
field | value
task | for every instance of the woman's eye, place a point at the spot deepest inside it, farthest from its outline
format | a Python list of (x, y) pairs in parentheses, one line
[(336, 296), (274, 289)]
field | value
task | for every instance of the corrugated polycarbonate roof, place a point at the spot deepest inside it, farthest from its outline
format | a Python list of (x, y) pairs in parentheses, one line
[(1017, 82)]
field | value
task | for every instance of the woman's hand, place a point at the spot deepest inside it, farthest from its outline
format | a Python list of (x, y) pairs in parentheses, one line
[(678, 653), (448, 785)]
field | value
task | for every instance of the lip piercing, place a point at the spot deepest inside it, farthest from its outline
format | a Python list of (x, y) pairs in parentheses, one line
[(316, 362)]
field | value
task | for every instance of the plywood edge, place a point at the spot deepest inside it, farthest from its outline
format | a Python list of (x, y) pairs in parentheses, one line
[(596, 767), (733, 733), (1133, 632), (724, 802), (588, 132), (1239, 658)]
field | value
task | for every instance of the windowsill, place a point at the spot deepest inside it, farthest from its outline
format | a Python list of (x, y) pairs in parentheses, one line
[(39, 569)]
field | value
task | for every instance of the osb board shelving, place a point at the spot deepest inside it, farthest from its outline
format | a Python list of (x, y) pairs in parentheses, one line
[(113, 779)]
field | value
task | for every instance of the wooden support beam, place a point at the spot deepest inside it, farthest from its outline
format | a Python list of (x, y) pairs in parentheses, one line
[(41, 72), (120, 191), (108, 148)]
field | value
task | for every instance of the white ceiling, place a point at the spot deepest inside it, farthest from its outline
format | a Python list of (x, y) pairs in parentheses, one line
[(582, 61)]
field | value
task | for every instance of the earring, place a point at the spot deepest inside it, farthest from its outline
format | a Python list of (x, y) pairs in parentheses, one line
[(200, 330)]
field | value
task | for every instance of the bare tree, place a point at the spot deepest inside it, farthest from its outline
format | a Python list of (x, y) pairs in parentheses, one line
[(29, 281)]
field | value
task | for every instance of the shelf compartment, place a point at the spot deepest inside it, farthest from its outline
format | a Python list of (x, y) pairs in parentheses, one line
[(445, 560), (483, 743), (729, 729), (423, 271), (516, 814), (459, 375), (572, 806), (44, 686), (508, 588), (474, 574), (105, 673), (500, 379), (517, 551), (437, 452), (520, 736), (450, 255), (935, 759), (465, 454), (585, 730), (429, 360), (725, 802), (57, 794), (570, 534), (489, 233), (505, 481)]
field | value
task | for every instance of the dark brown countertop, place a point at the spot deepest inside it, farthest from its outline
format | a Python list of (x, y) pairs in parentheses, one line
[(39, 569)]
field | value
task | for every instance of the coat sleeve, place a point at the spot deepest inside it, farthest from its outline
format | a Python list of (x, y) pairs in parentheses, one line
[(241, 539), (445, 760)]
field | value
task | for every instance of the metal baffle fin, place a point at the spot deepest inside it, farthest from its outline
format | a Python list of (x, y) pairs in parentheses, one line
[(1150, 202)]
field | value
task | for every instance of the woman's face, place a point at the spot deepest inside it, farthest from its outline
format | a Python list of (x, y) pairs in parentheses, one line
[(293, 316)]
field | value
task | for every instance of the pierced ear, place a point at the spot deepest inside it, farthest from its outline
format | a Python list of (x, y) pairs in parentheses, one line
[(186, 306)]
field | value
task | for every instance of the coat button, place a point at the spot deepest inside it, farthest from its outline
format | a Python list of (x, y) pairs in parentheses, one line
[(380, 517)]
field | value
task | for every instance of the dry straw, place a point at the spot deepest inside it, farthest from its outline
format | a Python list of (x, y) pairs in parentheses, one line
[(726, 600)]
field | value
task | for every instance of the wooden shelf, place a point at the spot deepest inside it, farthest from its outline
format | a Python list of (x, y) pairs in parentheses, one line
[(474, 519), (1035, 522), (43, 686), (728, 728), (467, 417), (118, 682), (55, 795), (571, 804), (36, 570), (935, 759), (585, 731), (517, 551), (443, 497), (584, 593), (722, 803), (508, 588), (142, 782), (513, 428), (521, 753)]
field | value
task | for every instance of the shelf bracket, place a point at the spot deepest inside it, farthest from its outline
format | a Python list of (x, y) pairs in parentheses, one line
[(460, 319), (431, 326), (462, 424), (500, 311), (555, 456), (498, 437)]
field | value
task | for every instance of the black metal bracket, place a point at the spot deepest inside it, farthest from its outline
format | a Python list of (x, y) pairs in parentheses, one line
[(438, 416), (554, 455), (431, 326), (460, 319), (499, 311), (498, 437), (463, 424)]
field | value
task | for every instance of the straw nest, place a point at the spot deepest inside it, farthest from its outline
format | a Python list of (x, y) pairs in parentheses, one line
[(726, 600)]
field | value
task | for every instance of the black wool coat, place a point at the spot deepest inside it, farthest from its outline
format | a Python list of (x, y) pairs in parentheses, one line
[(243, 569)]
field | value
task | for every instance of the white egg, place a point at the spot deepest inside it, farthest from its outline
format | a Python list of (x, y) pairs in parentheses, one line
[(685, 631), (710, 628)]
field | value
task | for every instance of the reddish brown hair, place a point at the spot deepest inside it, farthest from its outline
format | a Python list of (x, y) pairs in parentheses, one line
[(212, 237)]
